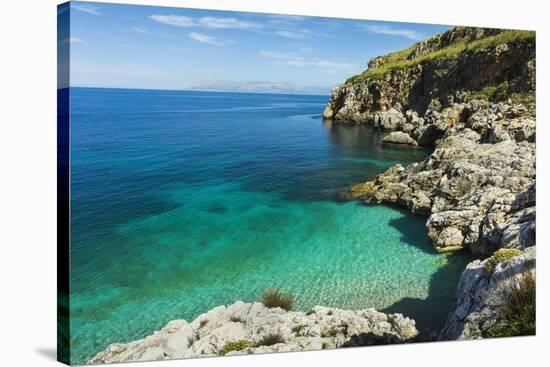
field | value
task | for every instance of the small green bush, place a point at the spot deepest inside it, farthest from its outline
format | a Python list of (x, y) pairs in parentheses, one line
[(518, 310), (235, 346), (500, 256), (270, 339), (272, 297), (495, 93)]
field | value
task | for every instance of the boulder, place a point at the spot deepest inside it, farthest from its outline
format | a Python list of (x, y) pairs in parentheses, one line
[(398, 137)]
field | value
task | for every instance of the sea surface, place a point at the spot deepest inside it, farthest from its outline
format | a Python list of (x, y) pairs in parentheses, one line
[(183, 201)]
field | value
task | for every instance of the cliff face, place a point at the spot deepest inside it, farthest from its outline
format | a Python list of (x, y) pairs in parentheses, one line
[(465, 60), (469, 93)]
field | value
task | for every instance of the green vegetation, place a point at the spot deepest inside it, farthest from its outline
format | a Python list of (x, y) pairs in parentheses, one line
[(235, 346), (400, 59), (270, 339), (500, 256), (518, 310), (501, 92), (525, 99), (496, 93), (272, 297)]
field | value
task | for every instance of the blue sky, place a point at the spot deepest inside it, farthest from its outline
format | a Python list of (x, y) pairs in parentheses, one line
[(130, 46)]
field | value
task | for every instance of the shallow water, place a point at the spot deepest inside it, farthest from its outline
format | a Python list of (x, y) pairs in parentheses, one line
[(182, 201)]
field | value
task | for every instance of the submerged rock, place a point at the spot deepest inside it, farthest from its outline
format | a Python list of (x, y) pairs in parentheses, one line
[(248, 328)]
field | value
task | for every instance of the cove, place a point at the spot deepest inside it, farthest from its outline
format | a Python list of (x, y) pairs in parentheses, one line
[(182, 201)]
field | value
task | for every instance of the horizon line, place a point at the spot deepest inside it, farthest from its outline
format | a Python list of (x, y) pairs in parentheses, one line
[(196, 90)]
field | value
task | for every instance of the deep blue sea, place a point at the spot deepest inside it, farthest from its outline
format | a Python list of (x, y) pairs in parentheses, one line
[(182, 201)]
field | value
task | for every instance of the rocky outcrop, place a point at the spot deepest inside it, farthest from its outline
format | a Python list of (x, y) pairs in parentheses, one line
[(484, 152), (247, 328), (477, 187), (469, 94), (481, 295), (462, 59), (400, 138)]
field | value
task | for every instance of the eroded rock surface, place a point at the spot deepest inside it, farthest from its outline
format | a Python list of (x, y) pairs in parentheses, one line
[(484, 152), (208, 334), (477, 187), (480, 295), (400, 138)]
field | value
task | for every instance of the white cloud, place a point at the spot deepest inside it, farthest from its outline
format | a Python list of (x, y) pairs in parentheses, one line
[(76, 40), (86, 9), (233, 23), (280, 19), (140, 30), (289, 58), (203, 38), (175, 20), (289, 34), (408, 33), (205, 22), (298, 61)]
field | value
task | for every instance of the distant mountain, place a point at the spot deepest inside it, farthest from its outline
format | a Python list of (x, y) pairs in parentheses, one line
[(218, 85)]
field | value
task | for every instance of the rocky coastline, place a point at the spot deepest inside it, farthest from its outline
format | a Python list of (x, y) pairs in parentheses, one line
[(250, 328), (469, 94)]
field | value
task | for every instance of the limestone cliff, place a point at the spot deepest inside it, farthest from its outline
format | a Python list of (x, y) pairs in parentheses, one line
[(469, 93), (466, 60)]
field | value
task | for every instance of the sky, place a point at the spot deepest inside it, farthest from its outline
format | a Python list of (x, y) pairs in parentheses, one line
[(131, 46)]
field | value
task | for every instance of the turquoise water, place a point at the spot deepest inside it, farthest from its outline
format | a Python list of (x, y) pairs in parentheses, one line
[(182, 201)]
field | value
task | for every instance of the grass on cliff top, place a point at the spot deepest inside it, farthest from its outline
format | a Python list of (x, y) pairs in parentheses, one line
[(399, 59)]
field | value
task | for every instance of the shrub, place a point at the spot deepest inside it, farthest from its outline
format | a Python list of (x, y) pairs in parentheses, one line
[(272, 297), (235, 346), (500, 256), (270, 339), (518, 310)]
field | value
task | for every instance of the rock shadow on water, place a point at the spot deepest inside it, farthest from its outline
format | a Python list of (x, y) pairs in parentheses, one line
[(413, 230), (430, 313)]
